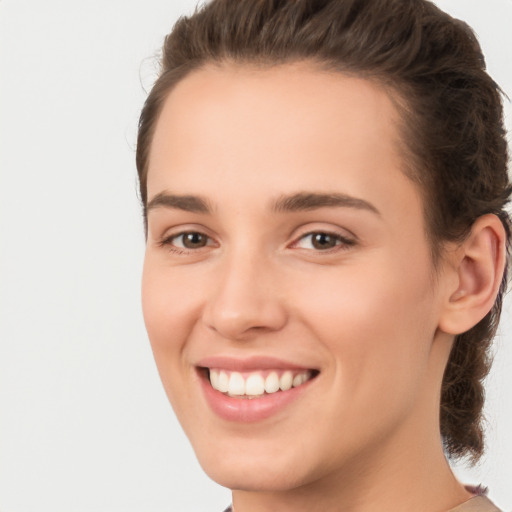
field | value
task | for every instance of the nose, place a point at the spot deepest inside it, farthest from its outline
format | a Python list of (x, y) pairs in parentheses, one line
[(246, 299)]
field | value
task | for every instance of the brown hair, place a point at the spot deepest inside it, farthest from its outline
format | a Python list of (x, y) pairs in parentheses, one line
[(452, 125)]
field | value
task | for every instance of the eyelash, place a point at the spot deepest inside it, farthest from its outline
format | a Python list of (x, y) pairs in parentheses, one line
[(167, 242), (342, 242)]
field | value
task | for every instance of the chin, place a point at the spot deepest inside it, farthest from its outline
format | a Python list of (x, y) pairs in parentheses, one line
[(263, 470), (248, 477)]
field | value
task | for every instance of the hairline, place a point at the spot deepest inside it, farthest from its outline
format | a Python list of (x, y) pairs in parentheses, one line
[(395, 92)]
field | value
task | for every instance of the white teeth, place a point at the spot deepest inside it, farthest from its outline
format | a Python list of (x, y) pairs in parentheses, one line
[(297, 380), (301, 378), (214, 379), (223, 382), (272, 382), (286, 381), (236, 384), (254, 385)]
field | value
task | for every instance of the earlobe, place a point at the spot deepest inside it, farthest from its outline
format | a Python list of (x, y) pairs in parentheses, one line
[(479, 265)]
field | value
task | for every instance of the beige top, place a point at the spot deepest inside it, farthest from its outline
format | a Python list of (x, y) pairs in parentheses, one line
[(477, 504)]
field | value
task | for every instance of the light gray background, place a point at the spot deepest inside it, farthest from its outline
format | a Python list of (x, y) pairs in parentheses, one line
[(84, 423)]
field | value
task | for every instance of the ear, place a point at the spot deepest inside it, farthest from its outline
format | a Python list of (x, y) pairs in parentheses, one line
[(476, 269)]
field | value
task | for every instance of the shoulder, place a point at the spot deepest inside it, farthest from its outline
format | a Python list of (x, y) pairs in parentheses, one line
[(477, 504)]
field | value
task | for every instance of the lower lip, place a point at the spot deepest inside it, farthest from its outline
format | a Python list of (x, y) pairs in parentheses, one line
[(248, 410)]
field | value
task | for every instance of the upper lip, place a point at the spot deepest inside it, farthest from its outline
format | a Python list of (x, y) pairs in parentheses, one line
[(249, 364)]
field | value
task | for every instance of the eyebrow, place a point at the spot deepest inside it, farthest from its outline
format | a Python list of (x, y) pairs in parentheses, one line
[(303, 201), (187, 203)]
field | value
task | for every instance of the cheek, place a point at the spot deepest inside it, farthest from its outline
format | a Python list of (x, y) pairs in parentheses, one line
[(377, 324), (169, 299), (168, 304)]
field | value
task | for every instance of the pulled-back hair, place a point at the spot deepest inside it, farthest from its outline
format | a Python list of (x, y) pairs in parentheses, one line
[(451, 126)]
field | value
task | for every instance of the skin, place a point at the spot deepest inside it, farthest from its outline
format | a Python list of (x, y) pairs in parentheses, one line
[(370, 314)]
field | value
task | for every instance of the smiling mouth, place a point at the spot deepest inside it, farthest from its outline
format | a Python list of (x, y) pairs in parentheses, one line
[(257, 384)]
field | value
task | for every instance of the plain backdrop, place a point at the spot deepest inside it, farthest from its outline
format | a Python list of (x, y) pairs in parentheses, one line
[(84, 422)]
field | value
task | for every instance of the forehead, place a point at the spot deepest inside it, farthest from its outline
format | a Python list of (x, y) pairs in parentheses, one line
[(282, 100), (265, 129)]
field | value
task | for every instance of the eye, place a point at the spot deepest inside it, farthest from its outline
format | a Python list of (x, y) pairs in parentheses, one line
[(188, 240), (322, 241)]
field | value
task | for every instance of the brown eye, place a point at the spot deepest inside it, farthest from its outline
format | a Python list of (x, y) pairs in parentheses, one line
[(187, 241), (192, 240), (323, 241)]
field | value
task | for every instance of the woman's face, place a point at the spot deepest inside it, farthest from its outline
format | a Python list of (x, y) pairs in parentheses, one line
[(286, 247)]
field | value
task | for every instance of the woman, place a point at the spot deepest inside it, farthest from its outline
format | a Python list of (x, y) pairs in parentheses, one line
[(324, 185)]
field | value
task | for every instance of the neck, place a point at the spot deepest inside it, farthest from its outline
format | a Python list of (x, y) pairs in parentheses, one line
[(403, 479)]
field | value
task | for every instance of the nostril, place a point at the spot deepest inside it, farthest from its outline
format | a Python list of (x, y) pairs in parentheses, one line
[(240, 306), (241, 327)]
